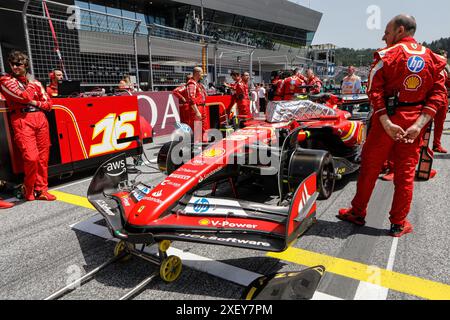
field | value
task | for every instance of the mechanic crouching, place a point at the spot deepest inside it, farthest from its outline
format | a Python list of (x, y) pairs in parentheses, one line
[(406, 88), (27, 100)]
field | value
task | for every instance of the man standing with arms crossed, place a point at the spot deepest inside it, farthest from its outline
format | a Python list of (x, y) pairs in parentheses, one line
[(27, 100), (406, 88)]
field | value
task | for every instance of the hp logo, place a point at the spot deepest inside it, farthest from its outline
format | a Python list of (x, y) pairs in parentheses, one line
[(201, 205), (416, 64)]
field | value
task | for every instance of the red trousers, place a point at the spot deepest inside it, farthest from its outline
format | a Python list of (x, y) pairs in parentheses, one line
[(187, 116), (32, 136), (439, 120), (243, 108), (405, 157)]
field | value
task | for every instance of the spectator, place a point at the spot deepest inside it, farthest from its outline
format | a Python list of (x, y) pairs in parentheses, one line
[(262, 93)]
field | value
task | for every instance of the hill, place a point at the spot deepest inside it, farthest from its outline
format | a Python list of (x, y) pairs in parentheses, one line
[(364, 57)]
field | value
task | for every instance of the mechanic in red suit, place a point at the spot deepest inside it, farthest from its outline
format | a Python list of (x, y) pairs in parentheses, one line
[(4, 204), (196, 97), (291, 85), (441, 113), (242, 97), (439, 120), (312, 80), (55, 75), (277, 84), (236, 76), (26, 100), (181, 93), (409, 77)]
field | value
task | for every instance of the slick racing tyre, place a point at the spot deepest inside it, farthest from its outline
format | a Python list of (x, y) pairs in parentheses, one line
[(326, 178)]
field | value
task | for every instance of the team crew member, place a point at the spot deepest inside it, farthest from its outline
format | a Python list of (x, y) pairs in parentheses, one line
[(312, 80), (351, 84), (26, 100), (236, 76), (291, 85), (276, 87), (242, 98), (412, 75), (196, 97), (181, 93), (442, 112), (55, 76)]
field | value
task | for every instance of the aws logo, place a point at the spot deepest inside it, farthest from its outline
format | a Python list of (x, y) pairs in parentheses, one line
[(115, 169)]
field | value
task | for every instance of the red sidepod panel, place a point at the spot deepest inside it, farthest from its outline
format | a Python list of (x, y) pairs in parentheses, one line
[(212, 160), (90, 127)]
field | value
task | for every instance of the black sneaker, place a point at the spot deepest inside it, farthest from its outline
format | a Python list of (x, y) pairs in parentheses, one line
[(397, 230)]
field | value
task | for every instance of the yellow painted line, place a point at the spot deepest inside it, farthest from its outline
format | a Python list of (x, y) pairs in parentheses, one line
[(72, 199), (392, 280)]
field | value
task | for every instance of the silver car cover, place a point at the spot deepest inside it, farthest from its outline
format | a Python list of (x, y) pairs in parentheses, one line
[(299, 110)]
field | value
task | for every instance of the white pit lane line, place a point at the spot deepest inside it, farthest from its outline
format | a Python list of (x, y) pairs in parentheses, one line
[(370, 291), (218, 269)]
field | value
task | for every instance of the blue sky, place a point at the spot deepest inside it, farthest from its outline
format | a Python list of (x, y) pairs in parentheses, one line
[(344, 22)]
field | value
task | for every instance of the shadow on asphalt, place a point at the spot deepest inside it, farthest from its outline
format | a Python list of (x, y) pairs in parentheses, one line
[(342, 230), (126, 275)]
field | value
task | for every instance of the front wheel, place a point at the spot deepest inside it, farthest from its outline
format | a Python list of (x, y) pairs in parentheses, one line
[(326, 178)]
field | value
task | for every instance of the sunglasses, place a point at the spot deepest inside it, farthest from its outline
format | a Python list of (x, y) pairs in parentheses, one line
[(17, 64)]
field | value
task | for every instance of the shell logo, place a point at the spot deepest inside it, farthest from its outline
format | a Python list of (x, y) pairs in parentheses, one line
[(141, 209), (204, 222), (213, 153), (413, 82)]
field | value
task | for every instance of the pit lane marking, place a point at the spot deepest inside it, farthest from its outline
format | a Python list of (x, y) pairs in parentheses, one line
[(388, 279), (385, 278)]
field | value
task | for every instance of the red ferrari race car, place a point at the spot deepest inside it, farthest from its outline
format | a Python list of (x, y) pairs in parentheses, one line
[(301, 146)]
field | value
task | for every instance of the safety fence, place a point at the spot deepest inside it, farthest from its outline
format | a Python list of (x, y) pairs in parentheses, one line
[(97, 49)]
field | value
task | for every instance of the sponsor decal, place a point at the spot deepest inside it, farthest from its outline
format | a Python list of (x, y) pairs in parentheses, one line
[(126, 201), (115, 169), (187, 170), (141, 209), (413, 82), (213, 153), (157, 194), (227, 224), (137, 195), (170, 183), (414, 46), (143, 189), (201, 205), (158, 201), (228, 240), (105, 207), (180, 176), (206, 176), (198, 162), (416, 64), (204, 222)]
